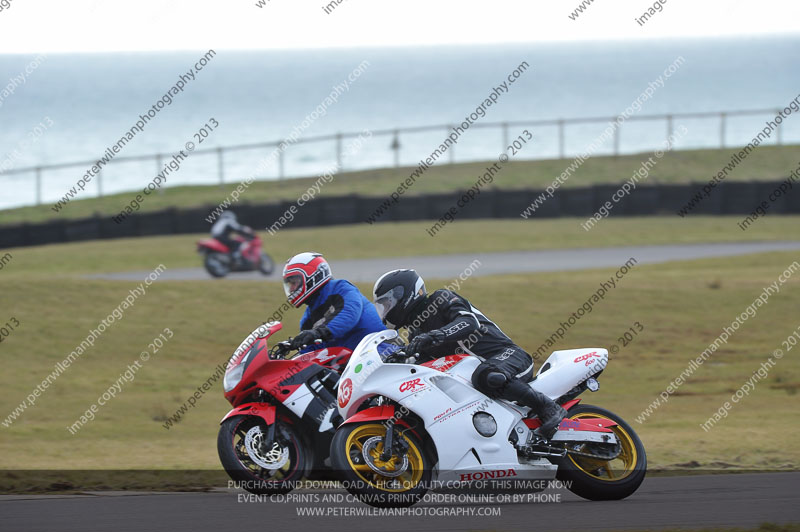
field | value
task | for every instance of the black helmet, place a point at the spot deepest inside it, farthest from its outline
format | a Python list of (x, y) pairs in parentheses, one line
[(395, 295)]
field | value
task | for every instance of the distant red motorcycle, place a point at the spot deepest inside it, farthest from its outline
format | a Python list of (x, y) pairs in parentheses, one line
[(284, 412), (219, 260)]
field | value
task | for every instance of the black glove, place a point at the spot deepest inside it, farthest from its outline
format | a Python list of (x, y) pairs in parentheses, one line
[(425, 340), (309, 336)]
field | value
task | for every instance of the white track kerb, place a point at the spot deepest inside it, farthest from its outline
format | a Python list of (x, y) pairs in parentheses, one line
[(61, 367)]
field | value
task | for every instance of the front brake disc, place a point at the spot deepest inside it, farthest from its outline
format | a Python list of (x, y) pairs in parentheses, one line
[(272, 458)]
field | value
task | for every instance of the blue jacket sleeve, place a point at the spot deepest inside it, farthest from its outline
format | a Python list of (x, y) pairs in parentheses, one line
[(350, 315), (303, 319)]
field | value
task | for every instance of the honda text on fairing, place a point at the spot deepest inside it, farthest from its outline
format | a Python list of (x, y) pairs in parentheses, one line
[(219, 259), (411, 427), (284, 414)]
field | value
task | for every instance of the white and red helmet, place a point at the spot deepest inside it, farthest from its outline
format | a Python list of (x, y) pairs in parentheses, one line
[(303, 275)]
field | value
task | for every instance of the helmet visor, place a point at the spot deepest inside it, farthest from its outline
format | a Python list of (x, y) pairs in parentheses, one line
[(386, 302), (293, 285)]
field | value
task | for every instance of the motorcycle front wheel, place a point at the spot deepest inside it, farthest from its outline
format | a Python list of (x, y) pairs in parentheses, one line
[(398, 482), (260, 467), (608, 478), (267, 265), (217, 264)]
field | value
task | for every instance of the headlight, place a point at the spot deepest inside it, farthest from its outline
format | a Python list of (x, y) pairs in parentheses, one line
[(484, 424), (233, 377)]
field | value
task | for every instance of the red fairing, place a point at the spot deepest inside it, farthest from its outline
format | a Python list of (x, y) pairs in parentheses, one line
[(252, 250), (570, 404), (378, 413), (445, 363), (275, 327), (375, 413), (268, 374), (334, 358), (265, 412), (535, 423), (589, 424), (212, 244)]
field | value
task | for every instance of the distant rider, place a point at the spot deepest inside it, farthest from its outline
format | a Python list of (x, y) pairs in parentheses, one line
[(438, 325), (337, 313), (223, 230)]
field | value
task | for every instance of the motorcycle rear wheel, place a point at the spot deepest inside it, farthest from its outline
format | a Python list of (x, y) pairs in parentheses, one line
[(605, 480), (404, 484), (287, 453)]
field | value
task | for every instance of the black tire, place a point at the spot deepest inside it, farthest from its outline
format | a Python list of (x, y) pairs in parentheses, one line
[(266, 265), (241, 467), (368, 487), (217, 264), (592, 487)]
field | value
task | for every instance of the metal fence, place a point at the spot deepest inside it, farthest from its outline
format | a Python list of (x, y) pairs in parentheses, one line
[(398, 139)]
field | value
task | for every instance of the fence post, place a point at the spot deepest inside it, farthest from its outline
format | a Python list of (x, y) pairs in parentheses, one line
[(38, 185), (779, 136), (560, 138), (451, 150), (395, 145), (722, 120), (339, 151), (220, 167), (281, 175), (669, 127)]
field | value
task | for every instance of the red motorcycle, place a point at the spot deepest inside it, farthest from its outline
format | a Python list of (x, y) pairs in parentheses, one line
[(219, 260), (284, 412)]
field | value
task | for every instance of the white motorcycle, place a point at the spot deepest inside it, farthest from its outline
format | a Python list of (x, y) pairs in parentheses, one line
[(410, 428)]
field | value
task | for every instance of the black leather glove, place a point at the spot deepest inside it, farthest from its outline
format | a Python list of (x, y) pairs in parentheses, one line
[(425, 340), (309, 336)]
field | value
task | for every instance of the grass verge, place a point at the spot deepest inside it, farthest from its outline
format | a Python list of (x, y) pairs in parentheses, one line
[(681, 306)]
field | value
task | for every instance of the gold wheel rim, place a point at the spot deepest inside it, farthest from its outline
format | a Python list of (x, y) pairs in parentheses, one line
[(407, 481), (608, 470)]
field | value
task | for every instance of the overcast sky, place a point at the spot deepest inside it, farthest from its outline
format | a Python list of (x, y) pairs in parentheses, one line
[(115, 25)]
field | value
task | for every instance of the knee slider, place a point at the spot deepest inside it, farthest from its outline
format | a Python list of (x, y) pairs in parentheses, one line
[(489, 381), (495, 379)]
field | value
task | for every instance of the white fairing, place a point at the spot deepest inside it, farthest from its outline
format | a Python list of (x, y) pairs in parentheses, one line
[(563, 370), (299, 400), (446, 402)]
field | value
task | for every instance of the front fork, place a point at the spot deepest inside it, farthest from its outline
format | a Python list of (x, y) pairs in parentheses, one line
[(389, 442), (269, 439)]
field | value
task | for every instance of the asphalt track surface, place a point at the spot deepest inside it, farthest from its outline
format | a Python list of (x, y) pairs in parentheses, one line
[(744, 500), (450, 266)]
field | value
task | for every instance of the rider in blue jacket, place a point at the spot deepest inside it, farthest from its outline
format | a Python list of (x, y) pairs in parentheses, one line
[(337, 313)]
